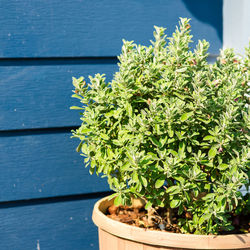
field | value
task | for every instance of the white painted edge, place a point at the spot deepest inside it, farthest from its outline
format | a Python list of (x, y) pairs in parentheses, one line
[(236, 24)]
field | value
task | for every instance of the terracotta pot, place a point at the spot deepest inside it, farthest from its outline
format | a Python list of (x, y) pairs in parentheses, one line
[(114, 235)]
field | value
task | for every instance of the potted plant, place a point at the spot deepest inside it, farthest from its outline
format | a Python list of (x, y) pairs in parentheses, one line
[(171, 135)]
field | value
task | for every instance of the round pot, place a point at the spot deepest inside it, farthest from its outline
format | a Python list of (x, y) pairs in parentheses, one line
[(114, 235)]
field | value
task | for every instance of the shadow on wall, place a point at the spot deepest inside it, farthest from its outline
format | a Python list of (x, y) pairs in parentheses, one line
[(200, 10)]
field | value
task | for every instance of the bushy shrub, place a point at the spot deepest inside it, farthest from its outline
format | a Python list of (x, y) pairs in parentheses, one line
[(171, 129)]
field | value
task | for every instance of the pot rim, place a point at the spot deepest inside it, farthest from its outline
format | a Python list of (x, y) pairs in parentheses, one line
[(165, 239)]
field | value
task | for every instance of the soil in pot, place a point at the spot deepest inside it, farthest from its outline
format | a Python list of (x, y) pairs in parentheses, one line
[(159, 219)]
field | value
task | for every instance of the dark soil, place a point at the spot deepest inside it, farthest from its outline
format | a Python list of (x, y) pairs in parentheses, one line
[(157, 221)]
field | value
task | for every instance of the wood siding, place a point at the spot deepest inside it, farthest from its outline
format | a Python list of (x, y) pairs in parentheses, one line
[(46, 194)]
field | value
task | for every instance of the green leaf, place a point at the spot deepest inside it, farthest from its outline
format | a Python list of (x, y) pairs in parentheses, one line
[(160, 182), (104, 136), (135, 177), (110, 197), (181, 70), (146, 161), (181, 150), (85, 130), (174, 153), (117, 142), (129, 109), (203, 120), (143, 180), (153, 156), (84, 148), (204, 217), (209, 196), (182, 97), (170, 132), (91, 171), (181, 209), (118, 200), (207, 187), (170, 140), (76, 107), (76, 96), (115, 182), (185, 116), (79, 147), (160, 203), (209, 138), (180, 179), (187, 197), (195, 219), (155, 141), (212, 152), (148, 205), (223, 166), (163, 140), (175, 203), (111, 155), (173, 190), (110, 113)]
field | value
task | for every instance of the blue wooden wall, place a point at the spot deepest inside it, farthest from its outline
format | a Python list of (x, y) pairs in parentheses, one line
[(46, 194)]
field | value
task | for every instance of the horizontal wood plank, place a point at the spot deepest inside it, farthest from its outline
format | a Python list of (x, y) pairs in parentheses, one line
[(43, 165), (95, 28), (63, 225), (39, 95)]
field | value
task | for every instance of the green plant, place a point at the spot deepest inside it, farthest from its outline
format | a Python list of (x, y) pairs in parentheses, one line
[(172, 129)]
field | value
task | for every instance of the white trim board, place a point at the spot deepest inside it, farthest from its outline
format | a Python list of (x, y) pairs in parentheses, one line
[(236, 24)]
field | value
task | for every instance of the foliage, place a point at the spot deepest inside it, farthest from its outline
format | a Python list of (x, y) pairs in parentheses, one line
[(171, 128)]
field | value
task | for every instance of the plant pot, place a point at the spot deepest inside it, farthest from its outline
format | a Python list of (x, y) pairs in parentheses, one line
[(114, 235)]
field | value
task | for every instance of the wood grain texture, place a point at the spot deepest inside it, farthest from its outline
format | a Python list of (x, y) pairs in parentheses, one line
[(39, 95), (164, 240), (109, 241), (64, 226), (43, 165), (96, 28)]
